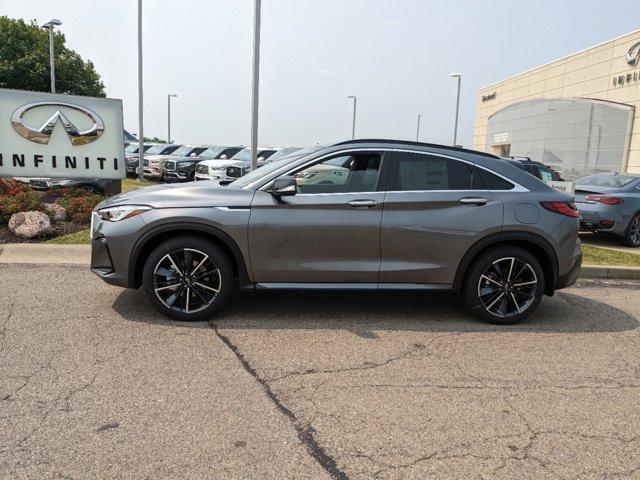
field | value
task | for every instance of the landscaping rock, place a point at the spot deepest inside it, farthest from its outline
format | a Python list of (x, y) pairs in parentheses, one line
[(30, 224), (58, 212)]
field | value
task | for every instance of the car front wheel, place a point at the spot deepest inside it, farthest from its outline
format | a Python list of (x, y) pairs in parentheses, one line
[(188, 278), (504, 286)]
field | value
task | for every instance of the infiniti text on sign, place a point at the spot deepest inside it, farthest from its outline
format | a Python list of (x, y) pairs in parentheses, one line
[(50, 135)]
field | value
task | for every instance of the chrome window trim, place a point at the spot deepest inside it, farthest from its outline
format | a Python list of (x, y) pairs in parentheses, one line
[(517, 187), (318, 160)]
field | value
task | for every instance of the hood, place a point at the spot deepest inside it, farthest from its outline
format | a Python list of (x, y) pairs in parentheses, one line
[(155, 158), (219, 162), (183, 195)]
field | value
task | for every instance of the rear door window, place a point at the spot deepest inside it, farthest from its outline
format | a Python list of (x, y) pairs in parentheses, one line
[(425, 172)]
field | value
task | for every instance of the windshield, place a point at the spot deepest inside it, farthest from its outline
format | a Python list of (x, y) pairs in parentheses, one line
[(272, 167), (182, 151), (133, 148), (244, 154), (156, 149), (285, 152), (212, 152), (606, 180)]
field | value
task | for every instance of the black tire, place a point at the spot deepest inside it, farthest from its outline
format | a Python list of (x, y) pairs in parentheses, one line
[(167, 270), (520, 296), (632, 233)]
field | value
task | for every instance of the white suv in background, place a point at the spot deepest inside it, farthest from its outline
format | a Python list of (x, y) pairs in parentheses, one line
[(216, 170)]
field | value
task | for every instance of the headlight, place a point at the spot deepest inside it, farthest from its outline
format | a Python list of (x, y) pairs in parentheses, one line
[(115, 214)]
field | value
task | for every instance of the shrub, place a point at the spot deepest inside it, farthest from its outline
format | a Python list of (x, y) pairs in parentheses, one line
[(79, 204), (18, 199)]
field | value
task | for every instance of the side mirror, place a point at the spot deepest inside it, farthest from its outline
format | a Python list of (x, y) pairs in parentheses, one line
[(192, 154), (260, 159), (284, 187), (223, 157)]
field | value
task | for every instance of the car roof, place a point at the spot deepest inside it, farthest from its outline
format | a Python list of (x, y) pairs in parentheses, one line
[(409, 143)]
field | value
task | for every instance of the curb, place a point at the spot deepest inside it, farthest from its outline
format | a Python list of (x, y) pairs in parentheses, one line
[(598, 271), (43, 254)]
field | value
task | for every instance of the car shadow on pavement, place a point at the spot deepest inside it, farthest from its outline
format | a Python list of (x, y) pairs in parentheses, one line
[(365, 313)]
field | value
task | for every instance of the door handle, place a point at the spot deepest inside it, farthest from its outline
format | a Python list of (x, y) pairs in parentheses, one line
[(474, 201), (362, 203)]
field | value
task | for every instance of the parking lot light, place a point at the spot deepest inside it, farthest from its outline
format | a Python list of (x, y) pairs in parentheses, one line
[(353, 124), (169, 95), (50, 25), (455, 128)]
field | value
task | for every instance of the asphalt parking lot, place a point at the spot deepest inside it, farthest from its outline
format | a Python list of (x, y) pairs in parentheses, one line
[(95, 384)]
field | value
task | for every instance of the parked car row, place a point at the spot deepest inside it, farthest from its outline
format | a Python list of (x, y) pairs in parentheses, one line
[(185, 163)]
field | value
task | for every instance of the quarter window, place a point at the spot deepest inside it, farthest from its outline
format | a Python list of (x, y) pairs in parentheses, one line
[(357, 172), (416, 171), (494, 182)]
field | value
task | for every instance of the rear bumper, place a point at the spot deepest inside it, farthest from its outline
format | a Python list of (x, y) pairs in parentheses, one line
[(597, 217), (571, 276)]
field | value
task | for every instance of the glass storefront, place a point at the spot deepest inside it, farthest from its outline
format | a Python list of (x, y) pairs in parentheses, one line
[(574, 136)]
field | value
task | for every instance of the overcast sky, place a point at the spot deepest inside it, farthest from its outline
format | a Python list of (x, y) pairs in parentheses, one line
[(396, 56)]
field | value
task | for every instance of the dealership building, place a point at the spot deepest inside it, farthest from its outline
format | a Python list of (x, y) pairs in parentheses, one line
[(579, 114)]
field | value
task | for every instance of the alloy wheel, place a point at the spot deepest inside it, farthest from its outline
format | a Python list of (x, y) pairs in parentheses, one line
[(186, 280), (634, 230), (507, 287)]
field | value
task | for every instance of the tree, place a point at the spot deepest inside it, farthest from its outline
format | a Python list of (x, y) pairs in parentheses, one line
[(24, 61), (154, 140)]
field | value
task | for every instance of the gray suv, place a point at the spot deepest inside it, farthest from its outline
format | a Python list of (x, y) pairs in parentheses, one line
[(365, 214)]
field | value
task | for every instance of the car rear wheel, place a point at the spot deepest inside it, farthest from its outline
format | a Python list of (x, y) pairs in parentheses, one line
[(504, 286), (188, 278), (632, 234)]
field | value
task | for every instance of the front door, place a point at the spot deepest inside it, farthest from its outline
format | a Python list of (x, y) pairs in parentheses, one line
[(435, 208), (329, 231)]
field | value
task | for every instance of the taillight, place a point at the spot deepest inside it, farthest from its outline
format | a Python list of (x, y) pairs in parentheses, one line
[(563, 208), (604, 199)]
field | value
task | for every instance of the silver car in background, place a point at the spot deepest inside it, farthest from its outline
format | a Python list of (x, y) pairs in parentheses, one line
[(610, 203)]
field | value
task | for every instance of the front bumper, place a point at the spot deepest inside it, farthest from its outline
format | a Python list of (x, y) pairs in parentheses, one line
[(176, 176), (207, 177), (153, 172)]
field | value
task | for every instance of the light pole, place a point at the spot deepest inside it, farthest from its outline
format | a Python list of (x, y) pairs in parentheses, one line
[(455, 128), (169, 95), (140, 102), (353, 125), (50, 25), (418, 127), (255, 92)]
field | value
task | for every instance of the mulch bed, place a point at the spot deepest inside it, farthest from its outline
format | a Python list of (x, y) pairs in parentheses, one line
[(59, 229)]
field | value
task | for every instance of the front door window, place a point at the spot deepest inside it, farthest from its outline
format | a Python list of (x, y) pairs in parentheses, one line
[(356, 172)]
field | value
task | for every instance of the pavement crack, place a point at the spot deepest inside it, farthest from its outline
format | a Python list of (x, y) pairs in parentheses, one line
[(305, 432)]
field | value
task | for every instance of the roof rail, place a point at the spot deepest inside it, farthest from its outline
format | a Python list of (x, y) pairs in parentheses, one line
[(418, 144)]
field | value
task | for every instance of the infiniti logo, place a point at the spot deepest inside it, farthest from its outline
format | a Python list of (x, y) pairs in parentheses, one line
[(42, 134), (633, 55)]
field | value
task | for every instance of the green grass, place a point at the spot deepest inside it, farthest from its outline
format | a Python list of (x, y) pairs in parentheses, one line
[(129, 184), (603, 256), (81, 237)]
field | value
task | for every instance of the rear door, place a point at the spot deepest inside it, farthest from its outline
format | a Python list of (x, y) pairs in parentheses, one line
[(435, 208)]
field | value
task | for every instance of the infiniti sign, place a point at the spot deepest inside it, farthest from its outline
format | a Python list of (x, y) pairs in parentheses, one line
[(67, 136), (42, 134), (633, 55)]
